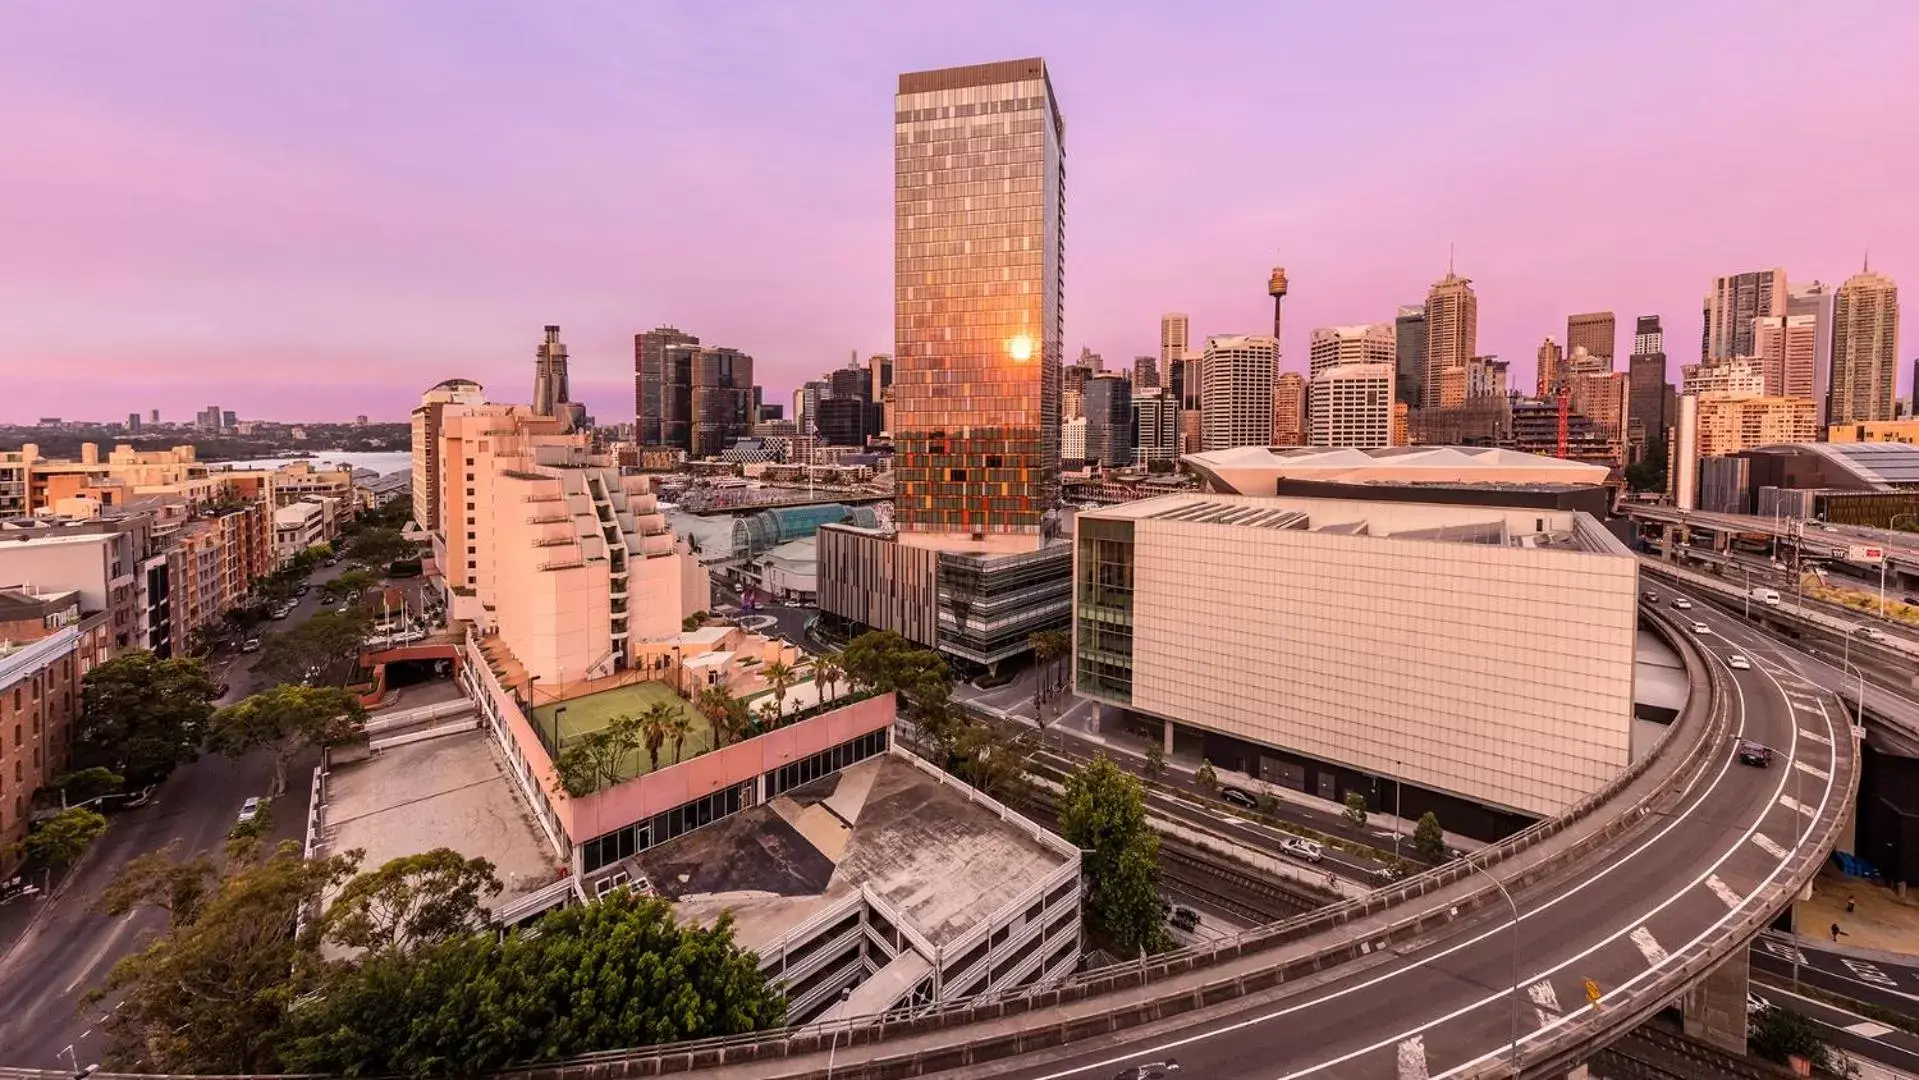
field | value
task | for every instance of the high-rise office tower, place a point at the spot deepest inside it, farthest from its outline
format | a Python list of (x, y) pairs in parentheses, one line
[(133, 423), (1865, 346), (1145, 372), (1731, 306), (1816, 299), (879, 369), (1595, 331), (1352, 405), (659, 382), (1236, 401), (1276, 288), (1366, 343), (806, 403), (1786, 349), (1550, 369), (1189, 385), (1647, 389), (723, 399), (154, 416), (1648, 336), (427, 468), (1174, 340), (1452, 338), (1110, 429), (1156, 425), (1091, 360), (977, 325), (1289, 409), (1409, 329)]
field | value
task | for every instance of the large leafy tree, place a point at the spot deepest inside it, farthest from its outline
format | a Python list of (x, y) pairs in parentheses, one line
[(1103, 811), (411, 902), (60, 839), (162, 881), (882, 661), (211, 993), (327, 643), (141, 716), (286, 720), (616, 973)]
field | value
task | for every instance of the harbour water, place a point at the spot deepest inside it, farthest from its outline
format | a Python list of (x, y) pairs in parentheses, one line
[(382, 462)]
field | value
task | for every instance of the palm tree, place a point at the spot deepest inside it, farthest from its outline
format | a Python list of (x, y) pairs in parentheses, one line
[(780, 676), (827, 673), (653, 729), (769, 716), (716, 704), (678, 727)]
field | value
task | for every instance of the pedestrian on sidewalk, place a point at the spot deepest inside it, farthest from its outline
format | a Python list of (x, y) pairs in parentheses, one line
[(1850, 902), (1836, 932)]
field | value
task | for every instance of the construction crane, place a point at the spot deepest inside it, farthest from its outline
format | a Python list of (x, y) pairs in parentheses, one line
[(1565, 411)]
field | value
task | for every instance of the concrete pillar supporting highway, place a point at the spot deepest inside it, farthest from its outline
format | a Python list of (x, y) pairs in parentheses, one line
[(1166, 729), (1715, 1010), (1668, 542)]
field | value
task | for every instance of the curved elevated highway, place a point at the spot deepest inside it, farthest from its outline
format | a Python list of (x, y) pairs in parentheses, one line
[(1648, 895)]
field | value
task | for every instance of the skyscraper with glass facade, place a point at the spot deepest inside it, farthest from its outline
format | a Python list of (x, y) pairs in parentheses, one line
[(979, 194)]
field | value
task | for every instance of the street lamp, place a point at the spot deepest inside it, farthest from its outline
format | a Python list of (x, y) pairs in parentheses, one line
[(1515, 908)]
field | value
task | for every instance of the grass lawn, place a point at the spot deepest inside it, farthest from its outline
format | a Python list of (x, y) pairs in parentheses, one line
[(588, 714)]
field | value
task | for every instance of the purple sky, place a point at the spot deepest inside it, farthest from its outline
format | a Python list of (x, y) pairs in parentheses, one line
[(315, 210)]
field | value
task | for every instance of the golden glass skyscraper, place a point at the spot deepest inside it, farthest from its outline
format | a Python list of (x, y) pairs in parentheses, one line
[(979, 235)]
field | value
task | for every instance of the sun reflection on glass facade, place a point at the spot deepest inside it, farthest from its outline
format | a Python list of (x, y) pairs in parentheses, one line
[(979, 199)]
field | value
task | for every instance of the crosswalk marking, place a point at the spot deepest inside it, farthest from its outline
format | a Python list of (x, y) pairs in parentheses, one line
[(1868, 1029), (1791, 803), (1545, 1001), (1654, 953), (1766, 845), (1815, 737), (1810, 770), (1412, 1059), (1723, 892)]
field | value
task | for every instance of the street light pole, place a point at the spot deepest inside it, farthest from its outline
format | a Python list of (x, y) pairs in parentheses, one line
[(1399, 822), (1515, 1001)]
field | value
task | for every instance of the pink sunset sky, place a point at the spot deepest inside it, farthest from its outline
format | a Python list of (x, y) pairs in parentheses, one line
[(308, 211)]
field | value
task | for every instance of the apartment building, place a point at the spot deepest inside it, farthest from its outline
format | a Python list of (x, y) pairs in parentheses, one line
[(1740, 376), (1729, 424), (300, 525), (1367, 343), (1787, 347), (1352, 405), (13, 483), (426, 444), (1289, 409), (1236, 401), (48, 642)]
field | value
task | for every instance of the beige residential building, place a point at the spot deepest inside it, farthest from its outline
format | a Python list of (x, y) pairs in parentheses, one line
[(1739, 377), (1787, 346), (1289, 409), (1865, 346), (426, 445), (549, 546), (1893, 431), (1729, 424), (1603, 399), (1366, 343), (1304, 640), (1486, 377), (1352, 405), (1594, 331), (1452, 338)]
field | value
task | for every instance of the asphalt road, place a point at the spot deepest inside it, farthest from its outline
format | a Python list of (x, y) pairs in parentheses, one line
[(1857, 1035), (70, 948), (1437, 1007), (1876, 982)]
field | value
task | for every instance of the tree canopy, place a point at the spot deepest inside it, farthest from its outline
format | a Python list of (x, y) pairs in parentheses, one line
[(285, 720), (615, 973), (61, 839), (412, 901), (141, 716), (325, 643), (1103, 811)]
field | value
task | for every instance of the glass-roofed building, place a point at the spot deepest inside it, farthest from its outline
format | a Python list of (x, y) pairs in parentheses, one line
[(759, 533), (1843, 483)]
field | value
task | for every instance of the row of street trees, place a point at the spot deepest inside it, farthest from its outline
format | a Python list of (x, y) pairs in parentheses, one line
[(402, 973)]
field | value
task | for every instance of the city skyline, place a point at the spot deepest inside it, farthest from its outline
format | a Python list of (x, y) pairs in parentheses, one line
[(407, 226)]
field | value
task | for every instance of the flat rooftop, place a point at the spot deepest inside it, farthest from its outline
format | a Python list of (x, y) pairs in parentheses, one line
[(445, 792), (1490, 526), (943, 862)]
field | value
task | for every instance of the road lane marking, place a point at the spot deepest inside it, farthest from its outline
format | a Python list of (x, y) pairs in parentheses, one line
[(1723, 891), (1545, 1001), (1815, 737), (1868, 1028), (1791, 803), (1648, 947), (1812, 771), (1412, 1059), (1766, 845), (1869, 972)]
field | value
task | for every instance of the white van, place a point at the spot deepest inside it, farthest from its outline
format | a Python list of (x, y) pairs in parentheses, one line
[(1769, 597)]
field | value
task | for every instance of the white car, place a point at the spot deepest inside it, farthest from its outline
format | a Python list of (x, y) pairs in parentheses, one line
[(1873, 633), (1310, 850), (1738, 663), (249, 809), (1701, 628), (1680, 603), (250, 645)]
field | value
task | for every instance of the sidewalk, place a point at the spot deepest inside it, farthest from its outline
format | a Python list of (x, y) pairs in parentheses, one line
[(1882, 927)]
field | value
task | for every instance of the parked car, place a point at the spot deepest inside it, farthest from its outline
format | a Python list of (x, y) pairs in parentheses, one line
[(1738, 663), (222, 690), (1239, 798), (1701, 628), (278, 613), (251, 644), (1184, 918), (1310, 850), (1758, 755), (249, 809)]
